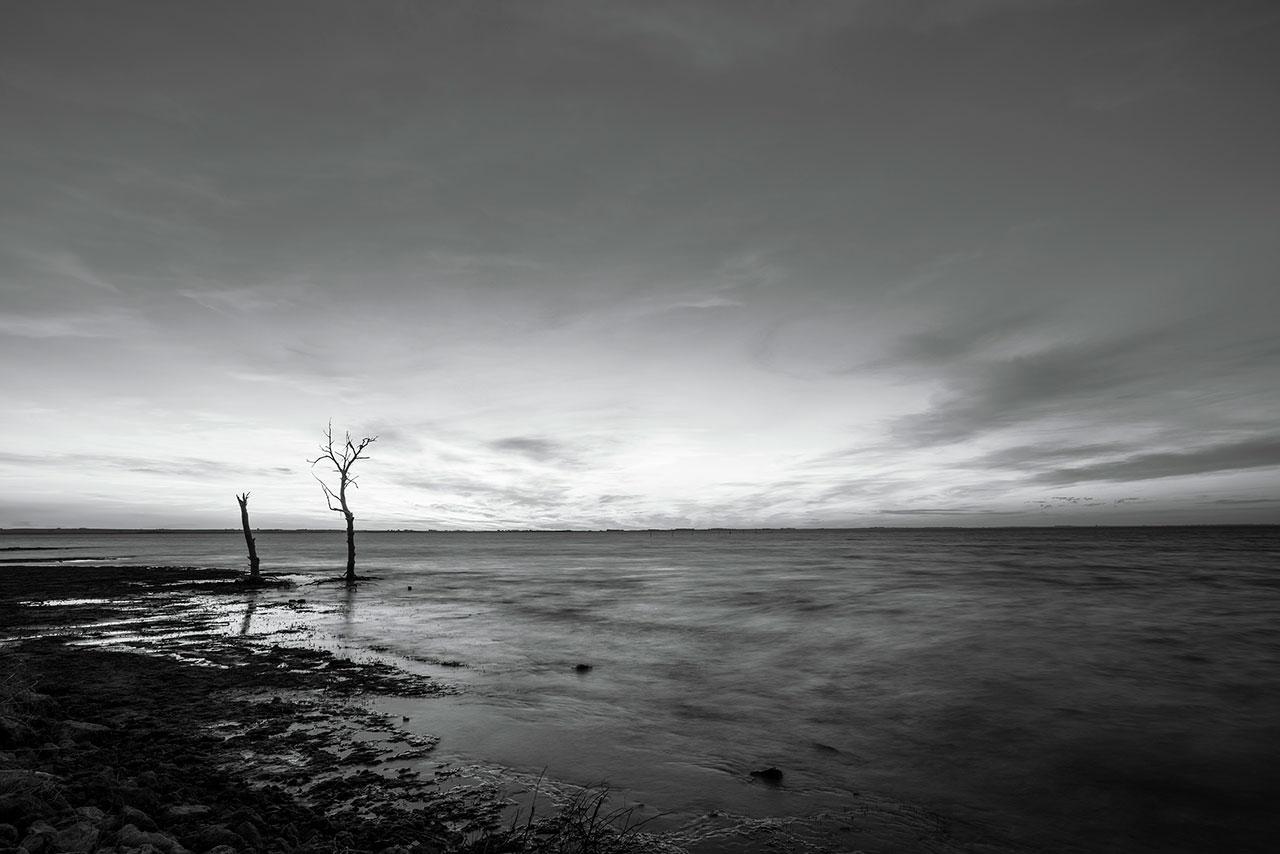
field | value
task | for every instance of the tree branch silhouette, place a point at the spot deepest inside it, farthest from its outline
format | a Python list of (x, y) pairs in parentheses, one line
[(341, 456)]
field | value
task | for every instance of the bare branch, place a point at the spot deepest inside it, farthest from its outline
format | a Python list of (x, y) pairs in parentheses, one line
[(329, 495)]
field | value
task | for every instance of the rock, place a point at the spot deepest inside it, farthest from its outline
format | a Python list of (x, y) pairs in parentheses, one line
[(188, 811), (15, 733), (21, 806), (245, 815), (213, 835), (140, 797), (769, 775), (39, 838), (130, 836), (91, 814), (136, 817), (79, 838), (222, 849), (84, 731), (249, 834), (33, 700), (582, 668), (25, 777)]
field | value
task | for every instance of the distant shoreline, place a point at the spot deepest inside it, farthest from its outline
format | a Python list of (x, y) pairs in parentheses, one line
[(237, 531)]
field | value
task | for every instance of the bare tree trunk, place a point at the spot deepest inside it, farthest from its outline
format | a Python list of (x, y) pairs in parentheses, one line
[(343, 456), (243, 500), (351, 550)]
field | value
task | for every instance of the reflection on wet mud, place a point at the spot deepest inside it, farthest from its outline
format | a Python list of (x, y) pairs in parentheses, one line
[(348, 607), (251, 605)]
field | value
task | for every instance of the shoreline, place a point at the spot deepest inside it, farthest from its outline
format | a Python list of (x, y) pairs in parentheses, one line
[(195, 740)]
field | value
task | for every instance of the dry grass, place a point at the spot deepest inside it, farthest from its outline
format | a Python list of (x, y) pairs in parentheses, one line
[(583, 823)]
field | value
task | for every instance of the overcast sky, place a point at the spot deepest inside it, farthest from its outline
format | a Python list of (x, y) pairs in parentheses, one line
[(627, 264)]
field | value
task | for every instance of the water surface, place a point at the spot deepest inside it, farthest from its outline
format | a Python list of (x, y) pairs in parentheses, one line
[(1061, 689)]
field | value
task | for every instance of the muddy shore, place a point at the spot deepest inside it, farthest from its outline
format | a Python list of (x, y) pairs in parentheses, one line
[(131, 721)]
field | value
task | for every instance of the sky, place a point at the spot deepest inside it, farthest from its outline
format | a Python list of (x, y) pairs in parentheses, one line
[(595, 264)]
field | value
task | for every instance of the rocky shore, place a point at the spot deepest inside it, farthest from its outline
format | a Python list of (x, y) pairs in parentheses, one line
[(195, 740)]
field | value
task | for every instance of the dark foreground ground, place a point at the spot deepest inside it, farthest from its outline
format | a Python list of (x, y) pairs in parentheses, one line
[(203, 742)]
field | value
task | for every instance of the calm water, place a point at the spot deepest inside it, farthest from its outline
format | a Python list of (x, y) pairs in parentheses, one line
[(1060, 689)]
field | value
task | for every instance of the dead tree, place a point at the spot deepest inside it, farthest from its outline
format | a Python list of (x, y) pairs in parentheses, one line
[(248, 536), (342, 456)]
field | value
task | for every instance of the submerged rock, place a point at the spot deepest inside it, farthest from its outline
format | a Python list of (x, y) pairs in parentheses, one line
[(769, 775)]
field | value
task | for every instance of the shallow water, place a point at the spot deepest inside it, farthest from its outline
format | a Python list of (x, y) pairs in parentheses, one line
[(1059, 689)]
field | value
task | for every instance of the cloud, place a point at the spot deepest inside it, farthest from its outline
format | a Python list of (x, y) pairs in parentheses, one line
[(107, 324), (1245, 501), (717, 35), (963, 337), (197, 468), (1024, 457), (499, 499), (66, 266), (536, 448), (252, 299), (934, 511), (1260, 452), (992, 394)]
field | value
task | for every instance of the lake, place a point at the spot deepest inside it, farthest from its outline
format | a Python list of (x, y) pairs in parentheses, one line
[(1060, 689)]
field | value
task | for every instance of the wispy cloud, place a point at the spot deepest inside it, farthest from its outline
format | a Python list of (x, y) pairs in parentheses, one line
[(1262, 452), (994, 394), (251, 299), (1244, 501), (534, 447), (58, 266), (177, 467), (108, 323)]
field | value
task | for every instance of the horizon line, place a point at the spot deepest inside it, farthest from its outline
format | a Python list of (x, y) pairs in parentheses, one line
[(709, 529)]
